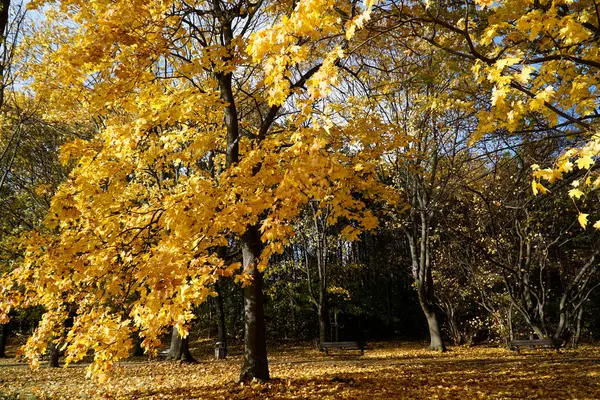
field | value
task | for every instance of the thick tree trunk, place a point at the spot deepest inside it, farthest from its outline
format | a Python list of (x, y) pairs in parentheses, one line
[(435, 333), (421, 271), (4, 14), (4, 27), (180, 348), (255, 347), (4, 339), (137, 346), (420, 252), (54, 355)]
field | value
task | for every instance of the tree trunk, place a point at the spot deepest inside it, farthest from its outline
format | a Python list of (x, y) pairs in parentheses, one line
[(138, 351), (424, 283), (54, 355), (577, 333), (255, 347), (424, 292), (511, 331), (336, 335), (4, 339), (420, 252), (435, 333), (455, 333), (180, 348), (322, 314), (221, 328), (319, 223), (388, 304), (4, 15), (221, 345), (4, 25), (292, 318)]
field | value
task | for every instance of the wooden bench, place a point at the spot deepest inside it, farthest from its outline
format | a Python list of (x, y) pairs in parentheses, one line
[(326, 346), (534, 344)]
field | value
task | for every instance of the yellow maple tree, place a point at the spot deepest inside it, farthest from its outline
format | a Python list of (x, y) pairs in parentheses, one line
[(213, 124)]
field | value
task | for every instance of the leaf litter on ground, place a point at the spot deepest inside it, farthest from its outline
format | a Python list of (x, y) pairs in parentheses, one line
[(386, 371)]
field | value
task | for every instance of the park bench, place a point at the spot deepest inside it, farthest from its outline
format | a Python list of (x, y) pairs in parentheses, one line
[(162, 354), (326, 346), (534, 344)]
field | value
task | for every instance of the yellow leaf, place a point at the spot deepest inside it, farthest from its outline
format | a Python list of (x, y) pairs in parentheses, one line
[(525, 74), (498, 95), (507, 62), (584, 162), (575, 193), (538, 187), (583, 221)]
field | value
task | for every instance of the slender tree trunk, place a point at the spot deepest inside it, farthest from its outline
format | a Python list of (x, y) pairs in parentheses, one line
[(577, 333), (321, 250), (54, 355), (322, 314), (292, 318), (255, 347), (455, 333), (511, 331), (180, 348), (221, 328), (388, 304), (323, 311), (535, 328), (221, 349), (4, 339), (336, 336)]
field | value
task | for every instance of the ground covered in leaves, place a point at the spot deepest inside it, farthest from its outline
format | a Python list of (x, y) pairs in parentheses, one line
[(386, 371)]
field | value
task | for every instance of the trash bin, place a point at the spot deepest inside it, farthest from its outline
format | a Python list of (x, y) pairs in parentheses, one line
[(220, 351)]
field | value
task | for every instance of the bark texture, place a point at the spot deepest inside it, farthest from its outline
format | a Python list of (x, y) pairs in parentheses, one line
[(221, 327), (4, 339), (421, 271), (255, 348), (180, 348), (53, 361)]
